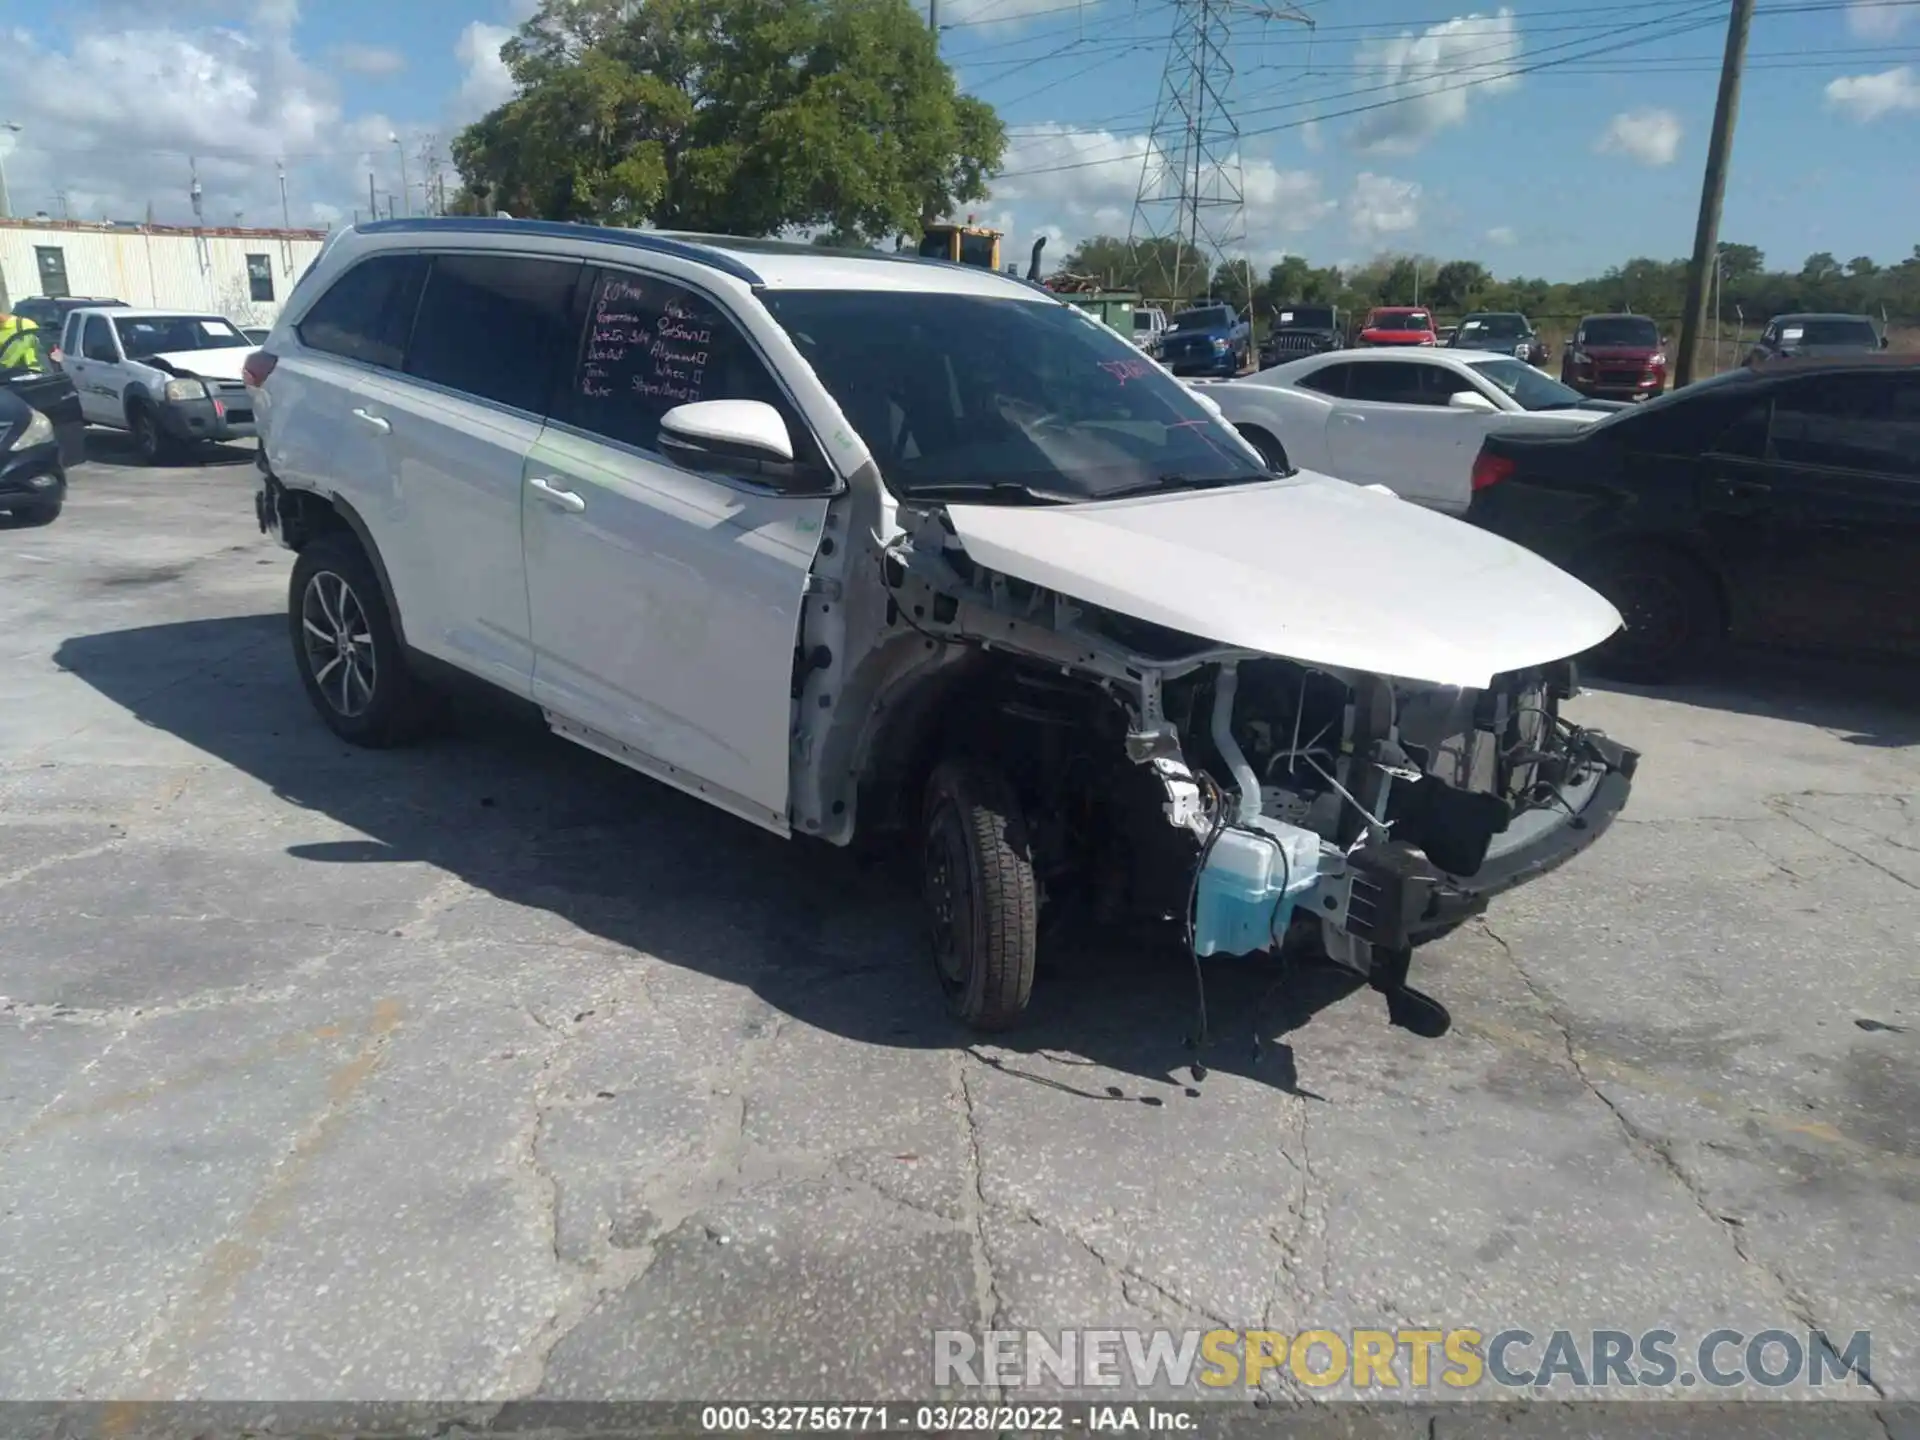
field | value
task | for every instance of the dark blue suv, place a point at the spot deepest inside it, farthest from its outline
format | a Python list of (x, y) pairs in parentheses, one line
[(1207, 340)]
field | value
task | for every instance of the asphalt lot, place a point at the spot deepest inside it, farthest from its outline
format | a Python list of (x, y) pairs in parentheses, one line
[(489, 1070)]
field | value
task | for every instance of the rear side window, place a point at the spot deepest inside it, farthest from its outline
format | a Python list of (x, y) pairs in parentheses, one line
[(367, 312), (651, 345), (493, 325), (1328, 380), (1851, 422), (1391, 382)]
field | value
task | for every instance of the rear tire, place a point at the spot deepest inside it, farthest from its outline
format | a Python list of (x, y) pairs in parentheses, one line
[(980, 893), (361, 684), (1672, 609)]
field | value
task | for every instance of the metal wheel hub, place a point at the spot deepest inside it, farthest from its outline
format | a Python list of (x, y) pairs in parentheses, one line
[(946, 897), (339, 644)]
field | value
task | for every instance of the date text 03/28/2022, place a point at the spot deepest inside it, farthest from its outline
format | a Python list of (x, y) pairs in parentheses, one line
[(945, 1419)]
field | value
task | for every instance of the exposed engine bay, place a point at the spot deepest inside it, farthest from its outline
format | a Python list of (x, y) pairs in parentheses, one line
[(1259, 801)]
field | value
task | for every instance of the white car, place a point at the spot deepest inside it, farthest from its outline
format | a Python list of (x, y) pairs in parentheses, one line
[(170, 378), (1409, 420), (868, 547)]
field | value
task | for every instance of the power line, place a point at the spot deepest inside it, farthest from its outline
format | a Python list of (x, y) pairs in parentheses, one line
[(1426, 91)]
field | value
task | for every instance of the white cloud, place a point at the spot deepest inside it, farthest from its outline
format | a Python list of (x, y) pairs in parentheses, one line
[(1380, 205), (1502, 235), (113, 121), (1651, 137), (375, 60), (1311, 138), (1084, 183), (1876, 19), (1868, 97), (485, 82), (1430, 78)]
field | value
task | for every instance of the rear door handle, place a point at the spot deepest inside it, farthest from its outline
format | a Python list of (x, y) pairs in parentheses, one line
[(1744, 489), (1347, 417), (384, 426), (554, 495)]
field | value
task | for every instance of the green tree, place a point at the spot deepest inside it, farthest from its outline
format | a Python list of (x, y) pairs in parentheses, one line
[(1458, 283), (1737, 262), (736, 116), (1861, 267), (1820, 266)]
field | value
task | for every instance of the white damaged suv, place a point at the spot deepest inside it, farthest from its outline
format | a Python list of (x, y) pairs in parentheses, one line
[(856, 545)]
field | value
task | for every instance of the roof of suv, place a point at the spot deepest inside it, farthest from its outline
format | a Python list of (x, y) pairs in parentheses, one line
[(763, 264), (1799, 315)]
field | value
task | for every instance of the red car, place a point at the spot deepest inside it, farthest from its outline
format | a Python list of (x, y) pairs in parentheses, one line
[(1615, 357), (1398, 325)]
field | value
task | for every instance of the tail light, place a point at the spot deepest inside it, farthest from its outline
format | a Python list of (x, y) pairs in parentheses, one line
[(257, 368), (1489, 470)]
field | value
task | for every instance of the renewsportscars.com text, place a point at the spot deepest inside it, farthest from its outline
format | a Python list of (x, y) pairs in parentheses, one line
[(1403, 1359)]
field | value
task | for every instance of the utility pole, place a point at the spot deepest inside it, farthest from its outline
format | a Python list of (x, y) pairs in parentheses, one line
[(373, 199), (1713, 189), (933, 21)]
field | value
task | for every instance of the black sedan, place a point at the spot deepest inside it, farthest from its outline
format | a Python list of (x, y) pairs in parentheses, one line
[(1778, 506), (33, 482)]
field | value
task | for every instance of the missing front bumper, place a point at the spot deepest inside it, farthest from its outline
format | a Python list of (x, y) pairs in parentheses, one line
[(1399, 898)]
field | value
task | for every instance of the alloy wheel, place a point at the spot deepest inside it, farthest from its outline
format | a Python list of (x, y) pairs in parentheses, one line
[(338, 644)]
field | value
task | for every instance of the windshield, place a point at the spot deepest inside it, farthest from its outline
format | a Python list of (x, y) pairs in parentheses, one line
[(1213, 317), (1634, 330), (1526, 386), (1307, 319), (1833, 332), (145, 335), (1142, 320), (1492, 327), (965, 392), (1405, 320)]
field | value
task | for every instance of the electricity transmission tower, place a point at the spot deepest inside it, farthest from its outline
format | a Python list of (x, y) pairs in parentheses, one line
[(1192, 193)]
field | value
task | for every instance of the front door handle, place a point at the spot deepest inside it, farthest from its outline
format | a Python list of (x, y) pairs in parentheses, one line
[(1744, 489), (554, 495), (384, 426), (1347, 417)]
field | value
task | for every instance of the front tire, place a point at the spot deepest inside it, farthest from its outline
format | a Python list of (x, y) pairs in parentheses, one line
[(1672, 609), (43, 513), (980, 893), (1271, 450), (349, 654), (149, 441)]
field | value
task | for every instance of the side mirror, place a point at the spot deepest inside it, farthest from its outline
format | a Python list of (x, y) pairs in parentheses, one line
[(1883, 342), (1471, 400), (744, 439)]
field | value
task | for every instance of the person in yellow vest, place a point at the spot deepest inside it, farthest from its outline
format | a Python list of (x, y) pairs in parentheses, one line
[(17, 352)]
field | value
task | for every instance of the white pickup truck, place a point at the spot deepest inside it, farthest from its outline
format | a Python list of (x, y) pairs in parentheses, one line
[(170, 379)]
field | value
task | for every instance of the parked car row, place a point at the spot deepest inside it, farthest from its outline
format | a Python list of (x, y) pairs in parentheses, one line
[(874, 548)]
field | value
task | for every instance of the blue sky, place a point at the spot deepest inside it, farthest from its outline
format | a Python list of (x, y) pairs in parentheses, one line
[(1549, 137)]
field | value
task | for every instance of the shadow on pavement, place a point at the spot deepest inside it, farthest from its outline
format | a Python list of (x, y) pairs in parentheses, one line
[(1868, 703), (822, 934), (115, 447)]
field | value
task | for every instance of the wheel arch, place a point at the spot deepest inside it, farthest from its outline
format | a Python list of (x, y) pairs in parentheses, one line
[(1591, 557), (305, 516)]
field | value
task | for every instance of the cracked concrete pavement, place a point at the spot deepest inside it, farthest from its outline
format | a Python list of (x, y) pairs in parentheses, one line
[(487, 1070)]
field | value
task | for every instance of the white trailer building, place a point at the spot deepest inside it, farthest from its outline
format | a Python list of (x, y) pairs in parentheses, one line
[(244, 274)]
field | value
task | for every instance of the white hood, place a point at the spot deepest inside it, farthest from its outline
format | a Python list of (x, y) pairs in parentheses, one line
[(1307, 568), (221, 364)]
